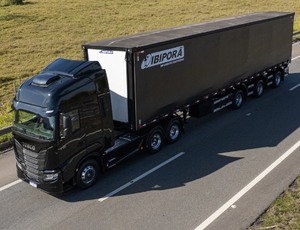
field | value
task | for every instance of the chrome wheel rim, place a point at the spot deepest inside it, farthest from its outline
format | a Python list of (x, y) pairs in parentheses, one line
[(238, 100), (174, 132), (277, 79), (88, 174), (156, 141), (260, 88)]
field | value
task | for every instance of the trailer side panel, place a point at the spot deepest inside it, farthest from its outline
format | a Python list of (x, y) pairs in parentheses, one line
[(170, 76), (171, 68)]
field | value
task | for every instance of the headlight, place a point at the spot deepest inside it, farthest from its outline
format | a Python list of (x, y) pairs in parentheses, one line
[(50, 175)]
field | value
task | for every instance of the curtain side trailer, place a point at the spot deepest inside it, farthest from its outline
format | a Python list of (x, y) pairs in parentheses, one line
[(157, 73), (80, 117)]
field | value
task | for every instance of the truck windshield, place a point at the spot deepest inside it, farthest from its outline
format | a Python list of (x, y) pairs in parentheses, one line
[(34, 125)]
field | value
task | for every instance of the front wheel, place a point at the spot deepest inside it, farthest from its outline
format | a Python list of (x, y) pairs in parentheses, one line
[(87, 174)]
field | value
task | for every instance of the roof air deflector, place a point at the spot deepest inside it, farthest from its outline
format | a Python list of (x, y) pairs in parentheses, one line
[(45, 79)]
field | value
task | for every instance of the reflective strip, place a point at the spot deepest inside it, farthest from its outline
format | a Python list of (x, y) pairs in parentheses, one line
[(222, 107)]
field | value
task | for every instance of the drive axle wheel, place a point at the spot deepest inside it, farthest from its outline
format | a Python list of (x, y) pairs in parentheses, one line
[(155, 140), (87, 174), (173, 130)]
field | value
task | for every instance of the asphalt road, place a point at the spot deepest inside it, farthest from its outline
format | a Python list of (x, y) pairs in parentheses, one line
[(223, 173)]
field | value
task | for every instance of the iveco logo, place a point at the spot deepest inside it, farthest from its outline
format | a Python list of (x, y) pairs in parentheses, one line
[(28, 146)]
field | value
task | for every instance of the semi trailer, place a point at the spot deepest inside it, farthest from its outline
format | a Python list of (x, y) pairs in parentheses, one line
[(77, 118)]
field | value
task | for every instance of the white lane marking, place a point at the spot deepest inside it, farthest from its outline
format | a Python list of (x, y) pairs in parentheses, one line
[(237, 196), (295, 87), (140, 177), (295, 58), (10, 185)]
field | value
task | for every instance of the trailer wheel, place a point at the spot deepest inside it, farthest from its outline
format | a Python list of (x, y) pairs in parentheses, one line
[(173, 130), (87, 174), (238, 99), (155, 140), (259, 88), (277, 79)]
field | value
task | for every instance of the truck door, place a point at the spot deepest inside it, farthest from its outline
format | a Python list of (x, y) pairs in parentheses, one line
[(73, 143), (93, 125)]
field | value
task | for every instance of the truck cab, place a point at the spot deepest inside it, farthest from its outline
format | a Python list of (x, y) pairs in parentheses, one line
[(62, 117)]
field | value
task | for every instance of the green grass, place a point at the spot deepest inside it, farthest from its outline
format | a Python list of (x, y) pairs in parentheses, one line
[(284, 213), (37, 32)]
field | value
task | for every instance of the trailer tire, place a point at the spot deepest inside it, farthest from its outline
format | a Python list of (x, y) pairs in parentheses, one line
[(277, 79), (259, 88), (173, 130), (155, 140), (87, 173), (237, 99)]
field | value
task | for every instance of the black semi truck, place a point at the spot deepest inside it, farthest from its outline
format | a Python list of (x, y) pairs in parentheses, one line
[(78, 118)]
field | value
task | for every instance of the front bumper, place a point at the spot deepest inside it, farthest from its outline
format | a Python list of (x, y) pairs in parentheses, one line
[(52, 187)]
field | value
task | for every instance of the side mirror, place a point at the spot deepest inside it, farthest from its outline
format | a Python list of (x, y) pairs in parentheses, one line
[(67, 125)]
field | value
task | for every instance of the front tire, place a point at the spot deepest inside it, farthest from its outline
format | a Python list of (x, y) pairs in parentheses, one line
[(87, 174)]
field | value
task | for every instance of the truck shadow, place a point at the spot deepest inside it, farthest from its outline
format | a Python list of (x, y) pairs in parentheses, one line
[(210, 143)]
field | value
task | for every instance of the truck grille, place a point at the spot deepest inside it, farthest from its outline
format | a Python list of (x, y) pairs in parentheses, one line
[(32, 163)]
